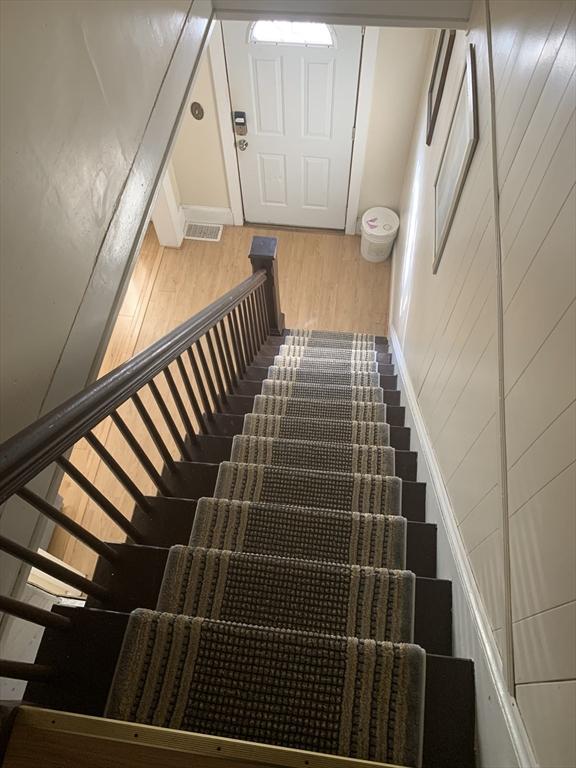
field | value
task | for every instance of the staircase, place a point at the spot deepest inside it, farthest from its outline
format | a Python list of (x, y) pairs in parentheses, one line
[(284, 590)]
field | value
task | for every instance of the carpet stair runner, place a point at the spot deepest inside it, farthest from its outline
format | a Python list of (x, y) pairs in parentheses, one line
[(303, 690), (317, 353), (343, 410), (325, 391), (323, 376), (289, 617), (289, 593), (305, 454), (315, 429), (301, 532), (323, 364)]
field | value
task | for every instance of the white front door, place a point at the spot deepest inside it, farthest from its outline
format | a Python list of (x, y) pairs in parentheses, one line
[(300, 102)]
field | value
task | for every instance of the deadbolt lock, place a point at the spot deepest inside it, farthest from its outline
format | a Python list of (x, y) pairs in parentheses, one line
[(242, 145)]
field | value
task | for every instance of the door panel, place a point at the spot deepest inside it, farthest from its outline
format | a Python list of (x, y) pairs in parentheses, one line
[(300, 103)]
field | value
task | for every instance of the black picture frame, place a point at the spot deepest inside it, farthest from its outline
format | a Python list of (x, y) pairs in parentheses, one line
[(459, 148), (438, 79)]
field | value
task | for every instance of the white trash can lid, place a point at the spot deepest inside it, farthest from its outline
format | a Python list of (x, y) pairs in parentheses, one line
[(380, 222)]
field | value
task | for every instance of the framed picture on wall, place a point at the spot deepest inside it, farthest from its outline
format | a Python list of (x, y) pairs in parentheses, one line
[(458, 151), (438, 79)]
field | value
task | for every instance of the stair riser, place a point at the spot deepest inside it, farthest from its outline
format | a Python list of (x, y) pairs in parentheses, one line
[(135, 582), (252, 388), (230, 424), (381, 344), (240, 405), (270, 352), (254, 373), (192, 480), (86, 657), (384, 369), (216, 448), (172, 524)]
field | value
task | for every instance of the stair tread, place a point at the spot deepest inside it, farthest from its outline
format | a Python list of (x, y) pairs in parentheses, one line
[(319, 409), (352, 378), (314, 454), (301, 389), (325, 365), (306, 595), (324, 430), (305, 532), (338, 490), (270, 685)]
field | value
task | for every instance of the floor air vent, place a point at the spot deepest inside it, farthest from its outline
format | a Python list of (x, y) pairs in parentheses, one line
[(211, 232)]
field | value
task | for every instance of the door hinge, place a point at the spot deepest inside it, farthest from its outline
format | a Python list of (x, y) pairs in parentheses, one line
[(353, 132)]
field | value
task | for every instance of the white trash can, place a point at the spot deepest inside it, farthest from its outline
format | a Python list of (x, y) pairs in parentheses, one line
[(379, 230)]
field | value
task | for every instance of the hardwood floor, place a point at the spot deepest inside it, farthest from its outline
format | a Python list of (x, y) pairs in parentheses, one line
[(324, 284)]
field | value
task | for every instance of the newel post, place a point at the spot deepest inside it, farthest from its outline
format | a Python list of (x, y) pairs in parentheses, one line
[(263, 256)]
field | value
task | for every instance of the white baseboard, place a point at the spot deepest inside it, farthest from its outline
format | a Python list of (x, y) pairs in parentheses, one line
[(502, 738), (204, 214)]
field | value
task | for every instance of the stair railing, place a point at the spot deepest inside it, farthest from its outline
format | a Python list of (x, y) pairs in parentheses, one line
[(188, 374)]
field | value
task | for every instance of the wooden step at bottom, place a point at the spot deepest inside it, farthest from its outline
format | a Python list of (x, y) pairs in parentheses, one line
[(195, 479), (174, 517), (97, 636)]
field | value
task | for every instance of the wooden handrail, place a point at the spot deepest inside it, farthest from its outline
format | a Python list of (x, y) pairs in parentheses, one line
[(30, 451)]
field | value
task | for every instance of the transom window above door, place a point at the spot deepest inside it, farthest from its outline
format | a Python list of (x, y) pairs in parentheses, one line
[(291, 33)]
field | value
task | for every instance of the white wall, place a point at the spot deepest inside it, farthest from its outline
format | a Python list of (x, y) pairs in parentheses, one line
[(197, 160), (90, 95), (534, 71), (401, 65), (448, 329)]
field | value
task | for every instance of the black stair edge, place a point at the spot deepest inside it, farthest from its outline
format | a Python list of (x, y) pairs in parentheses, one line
[(421, 548), (94, 641), (194, 479)]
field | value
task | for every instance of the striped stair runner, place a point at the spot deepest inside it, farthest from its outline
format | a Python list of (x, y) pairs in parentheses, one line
[(320, 353), (327, 391), (344, 410), (324, 430), (307, 533), (289, 617)]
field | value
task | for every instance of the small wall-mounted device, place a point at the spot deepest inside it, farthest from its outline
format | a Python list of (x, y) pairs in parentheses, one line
[(197, 110), (240, 124)]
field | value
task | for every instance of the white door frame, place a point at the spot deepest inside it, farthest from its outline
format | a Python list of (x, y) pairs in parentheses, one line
[(228, 139), (363, 108), (224, 115)]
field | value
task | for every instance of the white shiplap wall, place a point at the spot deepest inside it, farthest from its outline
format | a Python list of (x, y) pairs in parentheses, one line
[(534, 74), (448, 325)]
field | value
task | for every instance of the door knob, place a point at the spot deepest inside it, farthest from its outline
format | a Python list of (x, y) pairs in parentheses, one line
[(242, 145)]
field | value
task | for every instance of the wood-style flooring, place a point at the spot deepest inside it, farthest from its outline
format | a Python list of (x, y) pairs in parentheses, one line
[(324, 284)]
